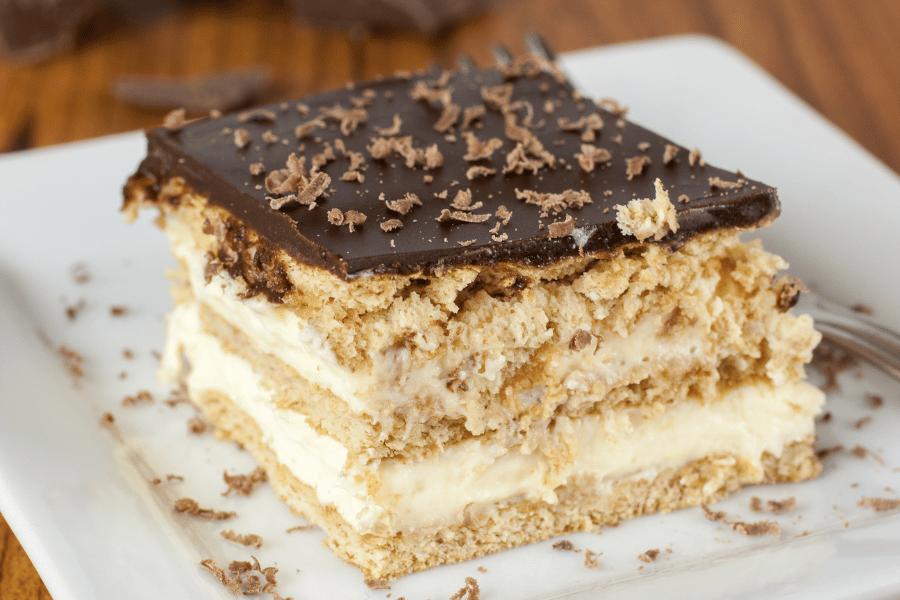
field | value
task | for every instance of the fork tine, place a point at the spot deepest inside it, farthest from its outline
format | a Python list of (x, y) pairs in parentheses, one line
[(465, 62), (538, 45), (502, 55)]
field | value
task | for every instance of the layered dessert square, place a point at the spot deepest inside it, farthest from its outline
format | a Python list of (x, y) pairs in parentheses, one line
[(452, 313)]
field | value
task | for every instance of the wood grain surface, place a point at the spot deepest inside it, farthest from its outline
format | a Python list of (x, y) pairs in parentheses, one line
[(841, 57)]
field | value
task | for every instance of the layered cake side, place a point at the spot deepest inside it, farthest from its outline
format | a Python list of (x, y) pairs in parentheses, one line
[(456, 312)]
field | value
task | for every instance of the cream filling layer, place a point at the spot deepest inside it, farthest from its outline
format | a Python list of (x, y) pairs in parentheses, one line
[(391, 495), (278, 331)]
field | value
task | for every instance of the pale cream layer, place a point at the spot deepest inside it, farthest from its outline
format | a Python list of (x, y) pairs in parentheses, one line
[(276, 330), (478, 474)]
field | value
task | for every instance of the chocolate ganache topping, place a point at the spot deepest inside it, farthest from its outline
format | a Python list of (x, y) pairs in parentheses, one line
[(415, 173)]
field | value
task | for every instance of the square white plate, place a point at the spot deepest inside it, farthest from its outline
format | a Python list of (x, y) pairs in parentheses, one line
[(78, 495)]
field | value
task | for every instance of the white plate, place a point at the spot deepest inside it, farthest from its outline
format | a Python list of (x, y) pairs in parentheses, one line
[(77, 495)]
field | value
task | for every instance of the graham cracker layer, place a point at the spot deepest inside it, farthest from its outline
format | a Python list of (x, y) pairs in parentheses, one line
[(463, 354), (514, 522)]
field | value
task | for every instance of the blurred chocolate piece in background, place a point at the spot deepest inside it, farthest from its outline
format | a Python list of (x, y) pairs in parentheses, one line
[(33, 30), (223, 91), (428, 16)]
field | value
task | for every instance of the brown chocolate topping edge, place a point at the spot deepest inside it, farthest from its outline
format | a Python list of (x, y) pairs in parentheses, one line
[(208, 160)]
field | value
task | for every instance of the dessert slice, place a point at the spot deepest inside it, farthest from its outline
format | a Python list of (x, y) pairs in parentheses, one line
[(457, 312)]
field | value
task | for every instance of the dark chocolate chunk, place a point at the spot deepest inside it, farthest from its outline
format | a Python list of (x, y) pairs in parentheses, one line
[(31, 32), (214, 91)]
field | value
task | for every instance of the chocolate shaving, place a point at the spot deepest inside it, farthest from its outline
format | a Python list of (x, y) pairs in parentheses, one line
[(243, 484), (378, 584), (874, 400), (777, 507), (713, 515), (562, 228), (758, 528), (300, 528), (480, 150), (304, 129), (241, 137), (497, 97), (695, 158), (247, 539), (196, 425), (590, 125), (432, 158), (719, 183), (351, 218), (107, 419), (448, 118), (612, 106), (879, 504), (353, 176), (73, 363), (142, 396), (404, 204), (349, 118), (118, 311), (649, 556), (72, 311), (465, 217), (391, 225), (580, 340), (421, 91), (381, 148), (591, 155), (555, 203), (463, 201), (307, 191), (479, 171), (394, 129), (823, 453), (670, 153), (471, 113), (862, 452), (175, 120), (518, 161), (504, 214), (635, 165), (564, 545), (190, 506), (269, 137), (178, 395), (787, 292), (232, 585), (471, 591)]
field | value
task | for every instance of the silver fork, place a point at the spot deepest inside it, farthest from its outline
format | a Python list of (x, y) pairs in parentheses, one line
[(853, 332), (859, 335)]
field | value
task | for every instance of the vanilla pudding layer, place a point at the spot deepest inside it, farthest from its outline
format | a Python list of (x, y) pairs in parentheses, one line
[(388, 496), (402, 366)]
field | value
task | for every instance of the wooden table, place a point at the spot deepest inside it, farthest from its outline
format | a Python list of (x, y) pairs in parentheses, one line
[(842, 57)]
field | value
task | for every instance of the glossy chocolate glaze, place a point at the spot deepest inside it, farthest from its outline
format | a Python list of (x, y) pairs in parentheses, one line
[(205, 155)]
